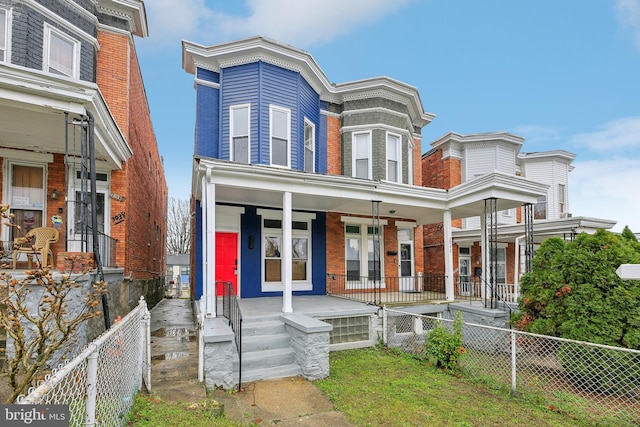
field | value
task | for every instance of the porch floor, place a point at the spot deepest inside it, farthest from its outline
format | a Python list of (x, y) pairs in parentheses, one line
[(311, 305)]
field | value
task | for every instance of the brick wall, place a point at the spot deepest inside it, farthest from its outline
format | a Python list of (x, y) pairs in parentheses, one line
[(335, 244), (141, 236), (334, 158)]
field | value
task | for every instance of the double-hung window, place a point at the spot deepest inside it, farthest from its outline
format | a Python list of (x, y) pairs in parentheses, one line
[(540, 209), (362, 155), (4, 35), (309, 146), (272, 250), (280, 131), (61, 53), (394, 157), (363, 266), (561, 200), (239, 119), (27, 196)]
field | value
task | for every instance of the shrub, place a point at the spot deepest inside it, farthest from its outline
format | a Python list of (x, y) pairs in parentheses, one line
[(443, 347)]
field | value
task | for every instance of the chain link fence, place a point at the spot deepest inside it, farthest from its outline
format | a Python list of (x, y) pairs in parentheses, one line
[(597, 383), (100, 384)]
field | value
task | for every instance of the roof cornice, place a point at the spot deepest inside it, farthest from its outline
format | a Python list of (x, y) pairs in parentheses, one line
[(132, 11), (259, 48)]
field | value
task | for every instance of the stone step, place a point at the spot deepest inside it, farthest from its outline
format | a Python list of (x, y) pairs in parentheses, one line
[(265, 342), (284, 371)]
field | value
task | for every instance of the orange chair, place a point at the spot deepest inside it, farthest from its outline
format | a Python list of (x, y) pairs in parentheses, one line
[(37, 241)]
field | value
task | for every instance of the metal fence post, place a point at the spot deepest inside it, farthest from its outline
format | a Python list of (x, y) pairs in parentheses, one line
[(92, 387), (513, 362), (384, 325)]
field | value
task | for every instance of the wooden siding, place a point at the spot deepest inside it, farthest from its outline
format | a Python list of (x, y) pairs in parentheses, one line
[(240, 85), (309, 106)]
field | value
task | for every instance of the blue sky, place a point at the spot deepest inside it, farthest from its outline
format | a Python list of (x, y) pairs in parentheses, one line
[(562, 74)]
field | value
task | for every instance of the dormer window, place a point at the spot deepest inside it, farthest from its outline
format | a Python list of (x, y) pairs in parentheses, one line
[(61, 53)]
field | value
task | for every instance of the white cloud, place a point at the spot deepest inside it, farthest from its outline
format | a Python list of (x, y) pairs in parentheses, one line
[(169, 23), (628, 12), (302, 23), (537, 134), (617, 135), (601, 189)]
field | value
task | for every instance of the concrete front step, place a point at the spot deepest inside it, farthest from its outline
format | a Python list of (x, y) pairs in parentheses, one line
[(265, 342), (267, 358), (267, 327), (284, 371)]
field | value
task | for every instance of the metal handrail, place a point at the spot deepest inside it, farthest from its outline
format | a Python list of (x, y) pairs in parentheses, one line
[(231, 311)]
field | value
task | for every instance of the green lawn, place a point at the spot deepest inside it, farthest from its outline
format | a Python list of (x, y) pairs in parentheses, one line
[(381, 387), (378, 387)]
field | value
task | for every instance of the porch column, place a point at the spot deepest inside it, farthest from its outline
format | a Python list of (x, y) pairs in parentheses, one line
[(448, 257), (483, 248), (287, 273), (210, 245)]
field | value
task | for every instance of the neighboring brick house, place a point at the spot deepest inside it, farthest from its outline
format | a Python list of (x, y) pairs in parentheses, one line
[(304, 178), (70, 85), (456, 159)]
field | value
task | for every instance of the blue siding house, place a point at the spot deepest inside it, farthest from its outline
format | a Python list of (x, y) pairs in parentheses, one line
[(299, 182)]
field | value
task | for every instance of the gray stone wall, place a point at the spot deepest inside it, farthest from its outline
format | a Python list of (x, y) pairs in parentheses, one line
[(312, 352)]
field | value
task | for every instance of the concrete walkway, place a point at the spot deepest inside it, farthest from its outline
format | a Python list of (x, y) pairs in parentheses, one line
[(174, 378)]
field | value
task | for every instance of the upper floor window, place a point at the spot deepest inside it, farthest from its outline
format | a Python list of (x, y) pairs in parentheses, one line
[(239, 118), (561, 199), (540, 210), (362, 155), (393, 158), (309, 146), (61, 53), (4, 34), (280, 125)]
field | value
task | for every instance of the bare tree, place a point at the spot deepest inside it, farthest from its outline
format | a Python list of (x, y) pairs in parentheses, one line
[(178, 227)]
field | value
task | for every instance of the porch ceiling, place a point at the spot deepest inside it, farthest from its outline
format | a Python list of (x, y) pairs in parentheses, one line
[(32, 107), (263, 186)]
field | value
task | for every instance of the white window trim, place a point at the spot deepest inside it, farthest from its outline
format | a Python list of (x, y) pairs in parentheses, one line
[(48, 29), (287, 111), (7, 193), (353, 153), (313, 145), (364, 251), (7, 35), (398, 156), (297, 285), (231, 135)]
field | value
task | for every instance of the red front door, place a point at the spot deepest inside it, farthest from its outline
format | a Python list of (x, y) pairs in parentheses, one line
[(226, 260)]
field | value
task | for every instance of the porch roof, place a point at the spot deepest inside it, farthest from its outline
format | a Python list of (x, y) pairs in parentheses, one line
[(33, 103), (542, 229), (262, 185)]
